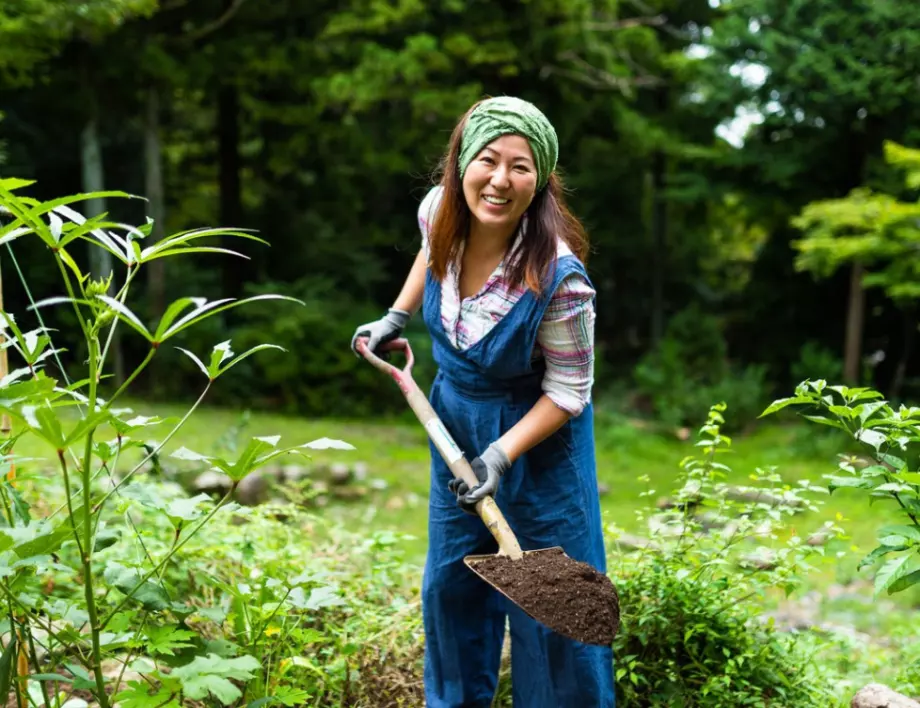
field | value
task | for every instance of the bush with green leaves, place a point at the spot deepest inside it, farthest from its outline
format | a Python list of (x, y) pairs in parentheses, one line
[(115, 603), (692, 599), (886, 473), (689, 368)]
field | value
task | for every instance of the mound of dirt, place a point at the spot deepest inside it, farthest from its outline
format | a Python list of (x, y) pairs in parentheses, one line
[(568, 596)]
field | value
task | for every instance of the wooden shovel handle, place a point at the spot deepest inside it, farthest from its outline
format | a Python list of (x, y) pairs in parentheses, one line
[(487, 509)]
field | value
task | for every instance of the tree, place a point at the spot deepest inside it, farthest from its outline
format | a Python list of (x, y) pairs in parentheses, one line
[(877, 231), (827, 94)]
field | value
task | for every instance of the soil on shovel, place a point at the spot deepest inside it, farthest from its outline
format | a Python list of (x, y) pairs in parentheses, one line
[(568, 596)]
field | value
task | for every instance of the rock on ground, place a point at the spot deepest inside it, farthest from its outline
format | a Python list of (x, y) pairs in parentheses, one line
[(876, 695)]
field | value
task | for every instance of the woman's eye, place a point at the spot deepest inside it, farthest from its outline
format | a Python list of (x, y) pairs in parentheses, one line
[(488, 160), (522, 168)]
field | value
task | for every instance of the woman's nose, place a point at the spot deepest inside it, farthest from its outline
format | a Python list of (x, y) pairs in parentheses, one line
[(500, 178)]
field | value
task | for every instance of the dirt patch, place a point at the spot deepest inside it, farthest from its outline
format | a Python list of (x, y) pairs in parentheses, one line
[(569, 597)]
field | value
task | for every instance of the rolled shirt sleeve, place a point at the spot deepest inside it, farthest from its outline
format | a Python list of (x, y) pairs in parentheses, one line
[(566, 339)]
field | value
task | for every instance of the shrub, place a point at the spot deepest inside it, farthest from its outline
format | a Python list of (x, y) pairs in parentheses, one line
[(104, 606), (889, 440), (691, 601), (325, 377), (689, 369)]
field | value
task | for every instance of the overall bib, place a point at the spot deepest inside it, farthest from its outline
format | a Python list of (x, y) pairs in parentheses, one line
[(549, 497)]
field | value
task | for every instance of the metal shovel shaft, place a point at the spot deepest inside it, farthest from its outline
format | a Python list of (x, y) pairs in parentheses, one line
[(487, 509)]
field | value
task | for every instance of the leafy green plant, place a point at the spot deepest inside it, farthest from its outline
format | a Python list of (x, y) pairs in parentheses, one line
[(692, 597), (884, 474), (690, 368), (126, 602)]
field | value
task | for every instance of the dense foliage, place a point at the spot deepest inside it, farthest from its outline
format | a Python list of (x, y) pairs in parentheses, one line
[(318, 126)]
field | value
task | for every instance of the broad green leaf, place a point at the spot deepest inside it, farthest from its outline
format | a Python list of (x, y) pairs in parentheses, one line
[(867, 410), (43, 420), (166, 640), (210, 675), (871, 437), (905, 581), (105, 538), (893, 541), (44, 544), (850, 482), (824, 420), (893, 487), (51, 677), (895, 463), (911, 532), (199, 687), (842, 411), (783, 403), (877, 554), (183, 453), (328, 444), (910, 477), (139, 694), (890, 572), (186, 509), (85, 425), (148, 594)]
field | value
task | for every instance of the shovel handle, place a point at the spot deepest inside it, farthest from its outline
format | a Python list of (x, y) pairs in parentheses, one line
[(486, 507)]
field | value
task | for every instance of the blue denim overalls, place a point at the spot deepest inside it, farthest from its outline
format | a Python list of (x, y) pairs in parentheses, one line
[(549, 497)]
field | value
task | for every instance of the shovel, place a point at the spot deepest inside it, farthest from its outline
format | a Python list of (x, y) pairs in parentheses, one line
[(570, 597)]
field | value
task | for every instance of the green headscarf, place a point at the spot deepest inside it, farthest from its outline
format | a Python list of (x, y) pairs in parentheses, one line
[(505, 115)]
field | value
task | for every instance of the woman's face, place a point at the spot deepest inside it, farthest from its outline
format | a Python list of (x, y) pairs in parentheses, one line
[(500, 182)]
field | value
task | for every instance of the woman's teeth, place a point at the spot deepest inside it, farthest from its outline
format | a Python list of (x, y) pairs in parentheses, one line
[(495, 200)]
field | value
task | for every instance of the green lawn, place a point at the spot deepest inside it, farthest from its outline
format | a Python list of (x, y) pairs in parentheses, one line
[(396, 452)]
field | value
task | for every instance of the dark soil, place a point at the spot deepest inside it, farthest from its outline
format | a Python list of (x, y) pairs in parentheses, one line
[(569, 597)]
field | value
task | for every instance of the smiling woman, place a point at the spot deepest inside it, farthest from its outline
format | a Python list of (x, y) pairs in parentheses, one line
[(510, 308)]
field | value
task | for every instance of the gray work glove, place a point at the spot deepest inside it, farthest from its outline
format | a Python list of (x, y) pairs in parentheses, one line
[(488, 468), (381, 331)]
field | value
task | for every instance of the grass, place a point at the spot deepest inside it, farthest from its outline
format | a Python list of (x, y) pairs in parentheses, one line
[(396, 453)]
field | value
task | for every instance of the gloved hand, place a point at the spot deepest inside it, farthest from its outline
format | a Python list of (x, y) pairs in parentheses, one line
[(381, 331), (488, 468)]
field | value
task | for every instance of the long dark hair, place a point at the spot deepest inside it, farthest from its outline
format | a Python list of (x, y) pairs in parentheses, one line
[(548, 218)]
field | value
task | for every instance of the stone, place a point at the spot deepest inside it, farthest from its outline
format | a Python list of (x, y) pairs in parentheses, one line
[(395, 503), (252, 489), (877, 695), (603, 489), (339, 473), (293, 473), (212, 482)]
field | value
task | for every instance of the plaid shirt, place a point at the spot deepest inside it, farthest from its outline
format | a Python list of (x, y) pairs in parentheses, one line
[(565, 338)]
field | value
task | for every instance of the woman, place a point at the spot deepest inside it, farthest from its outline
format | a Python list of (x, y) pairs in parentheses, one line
[(510, 309)]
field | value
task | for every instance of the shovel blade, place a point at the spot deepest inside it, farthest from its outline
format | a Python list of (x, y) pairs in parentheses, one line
[(567, 596)]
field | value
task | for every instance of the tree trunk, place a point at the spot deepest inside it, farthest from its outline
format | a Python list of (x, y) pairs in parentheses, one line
[(855, 319), (900, 372), (659, 244), (231, 210), (156, 209), (100, 260)]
